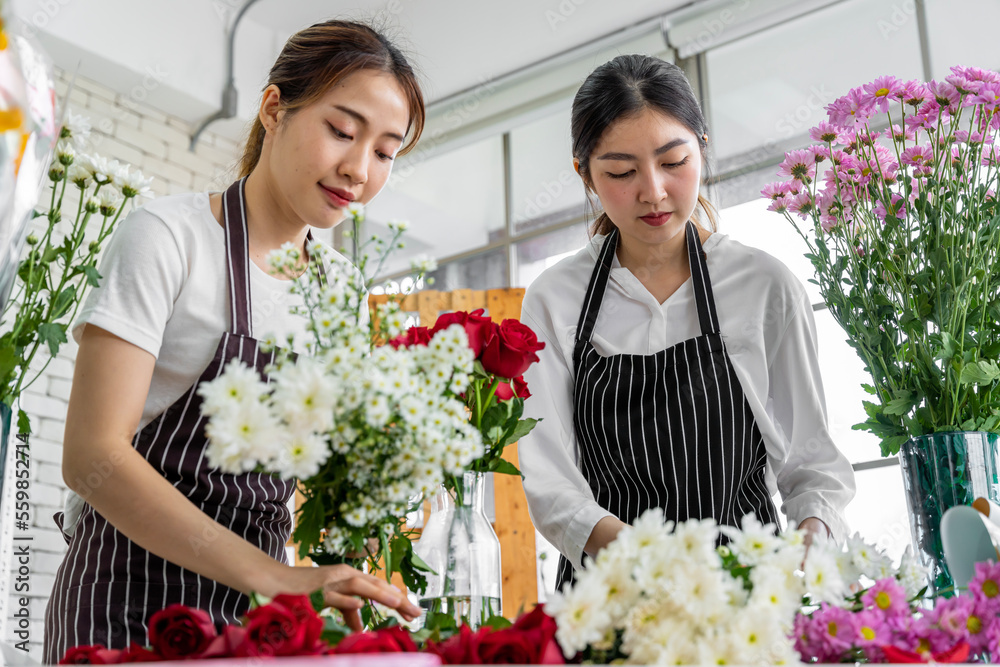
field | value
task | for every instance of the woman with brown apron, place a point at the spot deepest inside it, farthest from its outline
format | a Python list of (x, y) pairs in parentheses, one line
[(680, 369), (184, 290)]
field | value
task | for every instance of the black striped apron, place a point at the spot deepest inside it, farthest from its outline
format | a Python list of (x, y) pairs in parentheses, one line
[(672, 429), (107, 587)]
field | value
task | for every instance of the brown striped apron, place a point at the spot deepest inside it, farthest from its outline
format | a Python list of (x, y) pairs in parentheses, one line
[(107, 587)]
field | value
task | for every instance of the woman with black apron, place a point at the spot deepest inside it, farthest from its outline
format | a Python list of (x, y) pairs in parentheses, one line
[(680, 369), (185, 289)]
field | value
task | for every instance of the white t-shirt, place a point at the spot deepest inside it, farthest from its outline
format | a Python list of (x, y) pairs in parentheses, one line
[(767, 323), (164, 288)]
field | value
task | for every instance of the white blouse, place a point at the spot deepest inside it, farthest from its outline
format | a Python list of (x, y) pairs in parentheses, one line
[(767, 323)]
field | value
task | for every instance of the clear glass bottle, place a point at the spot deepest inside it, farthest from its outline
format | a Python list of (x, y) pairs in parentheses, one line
[(460, 546)]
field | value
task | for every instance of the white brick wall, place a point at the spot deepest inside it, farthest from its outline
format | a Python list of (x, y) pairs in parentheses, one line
[(125, 129)]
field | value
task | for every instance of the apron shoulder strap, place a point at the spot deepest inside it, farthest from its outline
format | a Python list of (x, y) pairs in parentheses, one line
[(595, 292), (701, 282), (237, 257)]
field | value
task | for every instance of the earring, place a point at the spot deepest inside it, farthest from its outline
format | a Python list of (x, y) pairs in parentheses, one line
[(705, 137)]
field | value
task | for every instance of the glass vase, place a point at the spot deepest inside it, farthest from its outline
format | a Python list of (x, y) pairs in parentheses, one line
[(460, 546), (941, 471)]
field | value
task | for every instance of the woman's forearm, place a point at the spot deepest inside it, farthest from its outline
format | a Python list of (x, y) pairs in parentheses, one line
[(603, 534)]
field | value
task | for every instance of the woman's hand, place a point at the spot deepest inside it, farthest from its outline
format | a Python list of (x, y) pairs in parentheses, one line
[(344, 588), (814, 527)]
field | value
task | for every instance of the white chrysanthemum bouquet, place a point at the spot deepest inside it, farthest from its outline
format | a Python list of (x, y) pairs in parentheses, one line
[(665, 594), (366, 429)]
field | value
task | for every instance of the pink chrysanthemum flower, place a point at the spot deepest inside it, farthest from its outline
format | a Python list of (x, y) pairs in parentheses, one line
[(873, 632), (802, 205), (963, 85), (945, 94), (976, 73), (896, 207), (988, 95), (776, 189), (800, 165), (918, 156), (915, 93), (882, 90), (903, 134), (959, 617), (833, 632), (985, 587), (820, 152), (853, 108), (826, 132)]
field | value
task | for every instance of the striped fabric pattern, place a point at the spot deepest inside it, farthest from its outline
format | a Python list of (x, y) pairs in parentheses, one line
[(107, 586), (671, 429)]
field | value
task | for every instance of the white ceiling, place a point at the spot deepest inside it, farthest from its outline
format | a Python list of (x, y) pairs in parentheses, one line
[(456, 44)]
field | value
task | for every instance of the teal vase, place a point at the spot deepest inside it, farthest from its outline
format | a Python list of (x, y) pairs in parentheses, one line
[(941, 471), (5, 415)]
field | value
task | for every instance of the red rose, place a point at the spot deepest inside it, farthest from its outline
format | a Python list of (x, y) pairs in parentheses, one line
[(479, 328), (180, 632), (413, 336), (91, 655), (389, 640), (288, 625), (227, 645), (136, 653), (957, 653), (530, 641), (459, 649), (512, 350), (520, 389)]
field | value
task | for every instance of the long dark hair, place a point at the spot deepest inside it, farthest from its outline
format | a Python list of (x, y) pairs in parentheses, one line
[(625, 86), (316, 58)]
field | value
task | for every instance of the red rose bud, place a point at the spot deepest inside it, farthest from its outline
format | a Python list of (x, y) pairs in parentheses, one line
[(283, 627), (459, 649), (413, 336), (505, 392), (180, 632), (90, 655), (512, 350), (478, 327), (389, 640)]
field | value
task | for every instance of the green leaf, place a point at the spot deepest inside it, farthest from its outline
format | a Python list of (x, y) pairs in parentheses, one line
[(8, 360), (63, 302), (317, 600), (504, 467), (522, 429), (899, 406), (949, 346), (52, 334), (497, 623), (890, 445), (980, 372), (93, 277), (310, 522), (23, 423)]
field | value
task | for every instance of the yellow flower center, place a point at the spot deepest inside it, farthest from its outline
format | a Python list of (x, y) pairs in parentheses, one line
[(974, 624), (990, 588), (923, 646), (867, 633), (832, 629), (883, 601), (881, 92)]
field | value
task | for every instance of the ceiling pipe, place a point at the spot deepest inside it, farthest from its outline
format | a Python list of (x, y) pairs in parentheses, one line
[(229, 95)]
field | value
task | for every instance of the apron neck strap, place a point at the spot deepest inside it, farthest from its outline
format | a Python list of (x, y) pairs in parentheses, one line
[(702, 283), (237, 257)]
